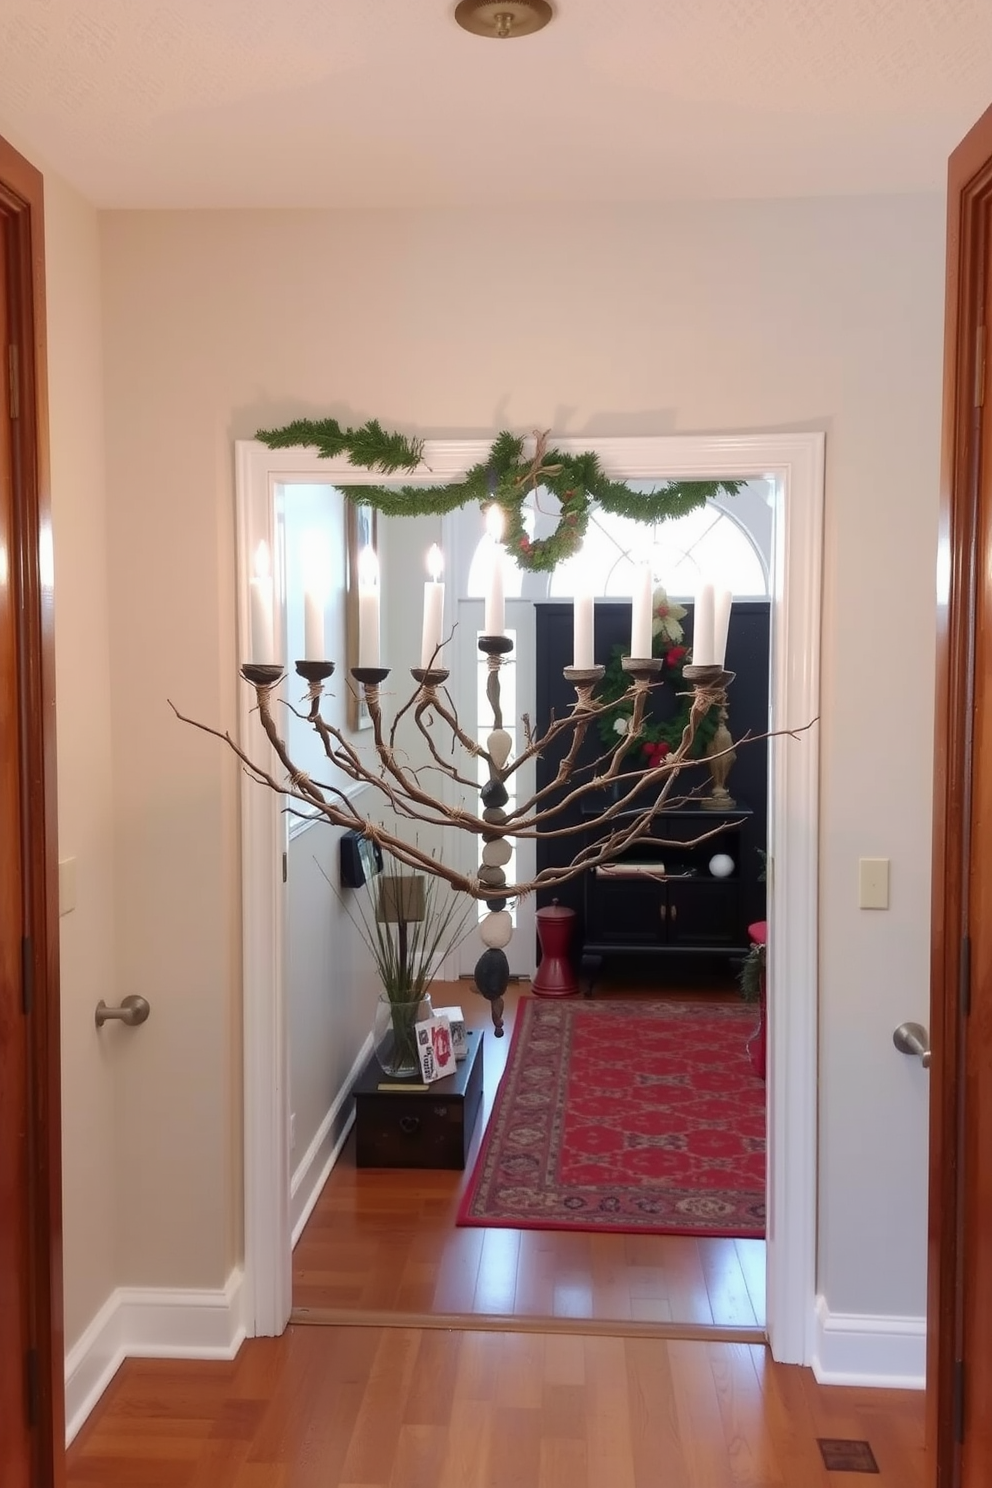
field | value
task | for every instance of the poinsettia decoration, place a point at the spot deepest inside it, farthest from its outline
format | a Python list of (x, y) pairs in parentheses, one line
[(667, 643)]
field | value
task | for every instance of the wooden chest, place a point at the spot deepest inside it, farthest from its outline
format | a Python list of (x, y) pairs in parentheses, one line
[(399, 1124)]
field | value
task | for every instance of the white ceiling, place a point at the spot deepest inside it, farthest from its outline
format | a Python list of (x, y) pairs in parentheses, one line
[(280, 103)]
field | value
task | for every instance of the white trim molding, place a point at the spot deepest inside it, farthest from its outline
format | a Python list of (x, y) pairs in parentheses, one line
[(856, 1349), (793, 463), (156, 1323)]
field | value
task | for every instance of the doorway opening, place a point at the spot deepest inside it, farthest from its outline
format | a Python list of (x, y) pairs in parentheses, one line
[(388, 1243), (793, 464)]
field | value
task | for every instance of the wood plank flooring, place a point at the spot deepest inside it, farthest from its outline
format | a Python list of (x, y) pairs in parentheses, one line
[(485, 1407), (403, 1408), (384, 1241)]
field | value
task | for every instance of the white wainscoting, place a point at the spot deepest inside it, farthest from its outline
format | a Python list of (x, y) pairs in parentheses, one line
[(315, 1166), (157, 1323), (857, 1349)]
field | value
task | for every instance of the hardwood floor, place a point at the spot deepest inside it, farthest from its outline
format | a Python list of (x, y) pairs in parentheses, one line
[(482, 1406), (403, 1408), (383, 1242)]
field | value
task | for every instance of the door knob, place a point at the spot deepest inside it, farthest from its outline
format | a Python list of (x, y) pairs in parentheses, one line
[(132, 1011), (912, 1038)]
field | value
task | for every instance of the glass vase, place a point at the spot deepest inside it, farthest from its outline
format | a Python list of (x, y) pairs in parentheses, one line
[(394, 1036)]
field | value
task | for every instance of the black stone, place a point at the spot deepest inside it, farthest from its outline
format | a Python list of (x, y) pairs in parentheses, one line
[(492, 974), (494, 793), (496, 904)]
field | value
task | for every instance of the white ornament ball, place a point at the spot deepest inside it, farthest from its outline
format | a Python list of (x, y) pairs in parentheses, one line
[(721, 866), (496, 929)]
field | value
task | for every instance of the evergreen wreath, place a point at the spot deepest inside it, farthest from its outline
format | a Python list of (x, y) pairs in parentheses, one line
[(657, 738), (505, 478)]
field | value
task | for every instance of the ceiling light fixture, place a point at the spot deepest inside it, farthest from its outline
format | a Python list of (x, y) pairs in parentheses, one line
[(503, 19)]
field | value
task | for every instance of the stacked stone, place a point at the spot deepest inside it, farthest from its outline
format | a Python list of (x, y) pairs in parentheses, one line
[(492, 970)]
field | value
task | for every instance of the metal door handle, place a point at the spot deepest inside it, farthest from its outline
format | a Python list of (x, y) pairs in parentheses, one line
[(132, 1011), (912, 1038)]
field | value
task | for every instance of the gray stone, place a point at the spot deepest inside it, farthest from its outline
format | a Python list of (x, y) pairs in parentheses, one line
[(497, 854)]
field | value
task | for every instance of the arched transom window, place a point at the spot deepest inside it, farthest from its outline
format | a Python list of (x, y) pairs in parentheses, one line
[(727, 542)]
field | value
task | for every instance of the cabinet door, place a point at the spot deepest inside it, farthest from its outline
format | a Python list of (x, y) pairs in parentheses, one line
[(625, 911), (704, 912)]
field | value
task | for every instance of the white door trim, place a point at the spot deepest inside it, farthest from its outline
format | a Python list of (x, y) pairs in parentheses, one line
[(794, 462)]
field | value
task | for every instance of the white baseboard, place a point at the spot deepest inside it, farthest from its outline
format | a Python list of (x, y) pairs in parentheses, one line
[(157, 1323), (858, 1349), (316, 1163)]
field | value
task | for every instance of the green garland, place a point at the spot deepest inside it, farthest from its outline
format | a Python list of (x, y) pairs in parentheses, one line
[(507, 478), (370, 445)]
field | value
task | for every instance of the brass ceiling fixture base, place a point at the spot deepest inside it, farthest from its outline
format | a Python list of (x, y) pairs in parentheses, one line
[(503, 19)]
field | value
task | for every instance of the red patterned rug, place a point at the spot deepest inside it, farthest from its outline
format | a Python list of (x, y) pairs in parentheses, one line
[(634, 1116)]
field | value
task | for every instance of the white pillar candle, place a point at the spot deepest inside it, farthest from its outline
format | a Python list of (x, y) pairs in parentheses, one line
[(721, 625), (641, 613), (433, 633), (314, 599), (261, 631), (703, 620), (495, 621), (583, 646), (368, 608)]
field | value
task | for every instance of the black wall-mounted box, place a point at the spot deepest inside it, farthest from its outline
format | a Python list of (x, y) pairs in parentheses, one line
[(360, 859)]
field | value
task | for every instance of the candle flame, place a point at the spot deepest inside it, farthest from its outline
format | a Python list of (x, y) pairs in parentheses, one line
[(434, 563), (263, 568), (368, 568), (494, 522)]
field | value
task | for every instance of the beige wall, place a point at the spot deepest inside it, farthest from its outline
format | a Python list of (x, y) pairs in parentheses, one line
[(726, 317), (90, 1061)]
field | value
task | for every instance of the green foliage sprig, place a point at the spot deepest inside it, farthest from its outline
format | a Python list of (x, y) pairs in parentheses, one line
[(657, 737), (369, 446), (751, 973), (506, 477)]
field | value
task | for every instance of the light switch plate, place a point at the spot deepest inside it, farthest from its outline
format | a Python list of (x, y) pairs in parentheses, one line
[(67, 885), (873, 883)]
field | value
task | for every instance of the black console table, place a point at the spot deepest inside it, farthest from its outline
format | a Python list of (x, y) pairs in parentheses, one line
[(660, 898)]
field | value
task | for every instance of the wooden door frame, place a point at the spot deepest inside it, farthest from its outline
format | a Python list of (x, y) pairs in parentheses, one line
[(21, 202), (968, 195)]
